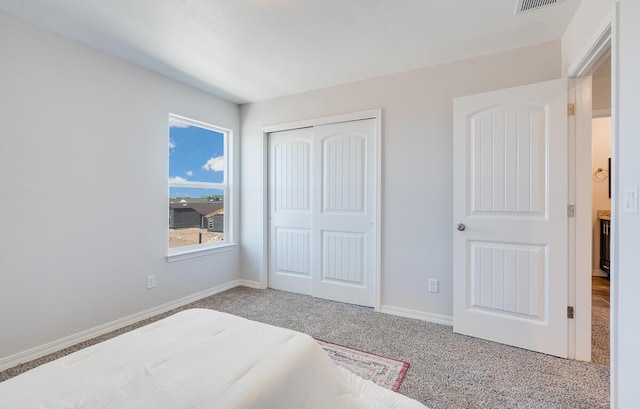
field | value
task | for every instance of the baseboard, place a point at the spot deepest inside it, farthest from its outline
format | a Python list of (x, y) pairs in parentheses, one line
[(40, 351), (419, 315), (599, 273), (250, 284)]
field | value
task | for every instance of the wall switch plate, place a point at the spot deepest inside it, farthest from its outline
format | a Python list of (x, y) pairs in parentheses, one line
[(630, 199), (433, 285), (151, 281)]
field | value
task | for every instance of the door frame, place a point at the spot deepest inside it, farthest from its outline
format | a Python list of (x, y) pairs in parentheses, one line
[(375, 114), (604, 40), (580, 234)]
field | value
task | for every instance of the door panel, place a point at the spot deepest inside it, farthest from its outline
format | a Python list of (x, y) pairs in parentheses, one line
[(343, 257), (291, 175), (290, 210), (510, 191), (507, 176), (343, 161), (293, 248), (345, 224), (508, 279)]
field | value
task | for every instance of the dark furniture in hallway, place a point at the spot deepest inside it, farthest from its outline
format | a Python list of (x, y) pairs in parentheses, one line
[(605, 244)]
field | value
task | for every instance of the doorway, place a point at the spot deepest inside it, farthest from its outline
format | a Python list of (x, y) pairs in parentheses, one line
[(601, 212), (583, 174)]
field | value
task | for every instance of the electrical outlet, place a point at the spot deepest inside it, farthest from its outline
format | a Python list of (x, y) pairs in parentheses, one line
[(433, 285), (151, 281)]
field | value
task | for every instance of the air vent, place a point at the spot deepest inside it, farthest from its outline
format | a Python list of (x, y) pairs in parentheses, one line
[(522, 6)]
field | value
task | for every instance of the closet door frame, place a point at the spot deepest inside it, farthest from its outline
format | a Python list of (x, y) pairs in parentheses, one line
[(375, 114)]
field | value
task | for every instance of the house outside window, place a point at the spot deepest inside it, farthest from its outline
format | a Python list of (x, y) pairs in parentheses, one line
[(198, 185)]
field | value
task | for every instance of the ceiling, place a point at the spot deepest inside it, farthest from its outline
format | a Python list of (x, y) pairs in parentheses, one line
[(253, 50)]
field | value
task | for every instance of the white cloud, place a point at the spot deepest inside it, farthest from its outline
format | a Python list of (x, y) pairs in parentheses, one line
[(177, 179), (215, 164), (189, 173), (176, 124), (172, 144)]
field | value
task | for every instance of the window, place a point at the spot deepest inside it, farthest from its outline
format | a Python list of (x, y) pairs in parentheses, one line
[(198, 185)]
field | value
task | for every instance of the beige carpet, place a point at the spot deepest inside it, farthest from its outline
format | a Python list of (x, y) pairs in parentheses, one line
[(447, 370), (600, 336)]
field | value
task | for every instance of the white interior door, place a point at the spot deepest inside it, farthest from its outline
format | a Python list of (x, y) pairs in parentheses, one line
[(510, 197), (322, 211)]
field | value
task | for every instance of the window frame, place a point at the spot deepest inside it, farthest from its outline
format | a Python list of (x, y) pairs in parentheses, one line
[(202, 249)]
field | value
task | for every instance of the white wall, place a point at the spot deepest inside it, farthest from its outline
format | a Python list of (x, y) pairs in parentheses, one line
[(628, 325), (588, 22), (600, 154), (83, 171), (417, 162)]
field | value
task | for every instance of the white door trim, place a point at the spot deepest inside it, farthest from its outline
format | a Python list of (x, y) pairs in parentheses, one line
[(597, 52), (580, 195), (604, 37), (375, 114)]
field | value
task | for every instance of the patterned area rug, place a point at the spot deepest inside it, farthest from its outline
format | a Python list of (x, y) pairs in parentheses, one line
[(386, 372)]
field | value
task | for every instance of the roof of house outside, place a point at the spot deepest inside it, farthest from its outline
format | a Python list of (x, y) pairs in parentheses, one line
[(202, 208), (217, 212), (206, 199)]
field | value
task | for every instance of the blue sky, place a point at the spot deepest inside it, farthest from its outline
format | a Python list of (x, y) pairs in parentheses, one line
[(195, 154), (193, 192)]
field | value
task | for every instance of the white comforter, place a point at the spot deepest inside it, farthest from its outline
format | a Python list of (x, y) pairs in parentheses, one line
[(198, 358)]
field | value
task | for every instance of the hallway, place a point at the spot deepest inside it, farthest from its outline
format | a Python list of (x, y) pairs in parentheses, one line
[(600, 321)]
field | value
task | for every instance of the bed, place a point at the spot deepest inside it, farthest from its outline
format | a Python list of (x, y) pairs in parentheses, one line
[(198, 358)]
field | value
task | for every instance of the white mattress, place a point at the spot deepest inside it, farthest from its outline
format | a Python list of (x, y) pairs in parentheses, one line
[(198, 358)]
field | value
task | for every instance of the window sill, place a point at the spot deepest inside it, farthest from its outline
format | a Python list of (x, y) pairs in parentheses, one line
[(179, 255)]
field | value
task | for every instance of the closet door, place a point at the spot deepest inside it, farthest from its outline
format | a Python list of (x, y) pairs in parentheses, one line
[(322, 211), (290, 210), (344, 223)]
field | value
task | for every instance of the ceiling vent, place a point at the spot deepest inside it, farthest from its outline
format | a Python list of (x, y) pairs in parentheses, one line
[(522, 6)]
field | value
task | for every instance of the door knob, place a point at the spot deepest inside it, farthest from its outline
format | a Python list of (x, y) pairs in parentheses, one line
[(461, 226)]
